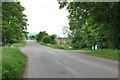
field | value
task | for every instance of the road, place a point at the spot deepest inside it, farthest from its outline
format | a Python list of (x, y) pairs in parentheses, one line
[(46, 62)]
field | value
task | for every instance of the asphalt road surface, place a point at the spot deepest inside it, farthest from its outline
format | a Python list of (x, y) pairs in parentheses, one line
[(46, 62)]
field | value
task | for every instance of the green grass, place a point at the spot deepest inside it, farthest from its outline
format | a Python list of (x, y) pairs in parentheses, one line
[(21, 44), (105, 53), (13, 63), (62, 46), (56, 46)]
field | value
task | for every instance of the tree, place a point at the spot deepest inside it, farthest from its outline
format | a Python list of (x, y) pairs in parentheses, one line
[(94, 23), (53, 36), (66, 31), (32, 37), (40, 35), (46, 39), (14, 22)]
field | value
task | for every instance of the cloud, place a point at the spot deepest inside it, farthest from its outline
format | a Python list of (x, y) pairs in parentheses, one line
[(45, 15)]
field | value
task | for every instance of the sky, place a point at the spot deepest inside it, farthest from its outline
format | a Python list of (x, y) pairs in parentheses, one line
[(45, 15)]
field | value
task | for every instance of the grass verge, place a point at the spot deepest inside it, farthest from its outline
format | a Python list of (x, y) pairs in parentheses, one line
[(105, 53), (56, 46), (62, 46), (20, 44), (13, 63)]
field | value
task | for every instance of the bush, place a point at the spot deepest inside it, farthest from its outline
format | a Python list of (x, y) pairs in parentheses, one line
[(53, 39), (46, 39), (53, 36), (32, 37), (53, 42), (78, 44), (41, 35)]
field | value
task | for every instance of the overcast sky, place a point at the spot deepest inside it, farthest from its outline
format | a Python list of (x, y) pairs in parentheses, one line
[(45, 15)]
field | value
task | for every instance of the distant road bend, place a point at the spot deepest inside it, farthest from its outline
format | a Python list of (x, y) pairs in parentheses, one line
[(46, 62)]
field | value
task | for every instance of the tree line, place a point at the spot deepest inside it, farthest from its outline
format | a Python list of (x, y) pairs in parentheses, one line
[(43, 36), (14, 22), (93, 23)]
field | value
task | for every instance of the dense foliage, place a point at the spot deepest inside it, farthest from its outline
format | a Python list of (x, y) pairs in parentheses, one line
[(40, 35), (43, 36), (32, 37), (94, 23), (46, 39), (14, 22)]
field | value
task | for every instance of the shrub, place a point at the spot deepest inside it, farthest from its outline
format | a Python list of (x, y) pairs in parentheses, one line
[(53, 42), (78, 44), (46, 39), (41, 35), (53, 36)]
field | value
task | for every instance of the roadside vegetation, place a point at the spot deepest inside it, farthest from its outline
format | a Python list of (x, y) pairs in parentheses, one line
[(14, 26), (106, 53), (62, 46), (44, 37), (13, 63), (102, 52), (56, 46), (20, 44), (92, 24)]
